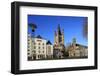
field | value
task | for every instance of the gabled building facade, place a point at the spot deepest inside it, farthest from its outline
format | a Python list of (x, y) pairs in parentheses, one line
[(49, 50), (39, 48)]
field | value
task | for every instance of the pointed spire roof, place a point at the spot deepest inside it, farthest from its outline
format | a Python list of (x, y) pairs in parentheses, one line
[(58, 26), (59, 31), (48, 42), (74, 40), (39, 37)]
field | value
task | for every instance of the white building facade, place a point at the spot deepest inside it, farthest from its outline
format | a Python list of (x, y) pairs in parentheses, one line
[(49, 50), (29, 47), (39, 48)]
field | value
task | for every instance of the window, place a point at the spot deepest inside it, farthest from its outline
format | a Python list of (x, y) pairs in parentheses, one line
[(38, 43), (28, 39), (28, 53), (34, 47), (43, 51), (43, 47), (39, 51), (43, 43), (28, 50), (33, 51), (38, 56), (34, 43), (28, 46), (39, 47)]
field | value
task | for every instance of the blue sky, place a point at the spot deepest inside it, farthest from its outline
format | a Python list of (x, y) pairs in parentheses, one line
[(46, 25)]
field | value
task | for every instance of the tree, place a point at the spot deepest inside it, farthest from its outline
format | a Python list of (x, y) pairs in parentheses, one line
[(33, 26)]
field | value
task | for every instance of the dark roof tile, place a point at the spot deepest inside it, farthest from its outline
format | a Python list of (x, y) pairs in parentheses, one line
[(48, 42)]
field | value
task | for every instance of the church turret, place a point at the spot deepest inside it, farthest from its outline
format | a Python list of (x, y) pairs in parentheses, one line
[(74, 42), (63, 36)]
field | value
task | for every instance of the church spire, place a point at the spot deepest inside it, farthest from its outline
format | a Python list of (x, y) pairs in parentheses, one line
[(58, 26), (59, 31)]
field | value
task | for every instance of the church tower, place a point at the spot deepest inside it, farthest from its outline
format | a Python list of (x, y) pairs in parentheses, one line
[(59, 39), (59, 36), (59, 46)]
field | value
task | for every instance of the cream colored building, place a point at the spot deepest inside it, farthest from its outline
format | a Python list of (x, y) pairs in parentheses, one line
[(29, 47), (49, 49), (39, 48)]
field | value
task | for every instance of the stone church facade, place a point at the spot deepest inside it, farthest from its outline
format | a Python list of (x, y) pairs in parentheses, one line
[(77, 50), (59, 46)]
